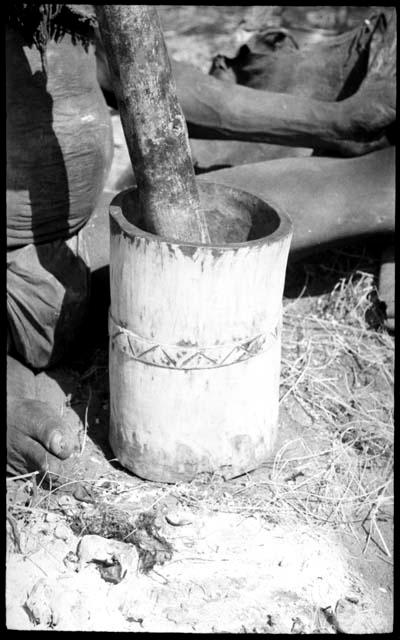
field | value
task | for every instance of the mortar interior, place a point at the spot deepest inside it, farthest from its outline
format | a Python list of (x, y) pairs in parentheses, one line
[(232, 215)]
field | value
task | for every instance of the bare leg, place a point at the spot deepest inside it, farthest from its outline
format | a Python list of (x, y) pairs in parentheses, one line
[(354, 126), (329, 200)]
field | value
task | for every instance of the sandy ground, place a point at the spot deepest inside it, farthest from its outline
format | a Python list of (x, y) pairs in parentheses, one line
[(235, 567), (229, 573)]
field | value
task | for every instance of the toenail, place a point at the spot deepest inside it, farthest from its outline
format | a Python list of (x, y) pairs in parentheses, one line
[(57, 442)]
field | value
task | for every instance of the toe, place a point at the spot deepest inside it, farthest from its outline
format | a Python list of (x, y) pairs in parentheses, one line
[(35, 421), (30, 456), (56, 436)]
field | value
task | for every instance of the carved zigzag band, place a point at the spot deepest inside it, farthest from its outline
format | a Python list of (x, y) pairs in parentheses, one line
[(173, 356)]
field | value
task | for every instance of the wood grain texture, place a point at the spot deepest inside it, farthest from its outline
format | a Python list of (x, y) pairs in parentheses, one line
[(152, 119), (171, 422)]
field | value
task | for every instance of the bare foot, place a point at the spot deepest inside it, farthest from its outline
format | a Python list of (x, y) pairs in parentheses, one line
[(37, 438)]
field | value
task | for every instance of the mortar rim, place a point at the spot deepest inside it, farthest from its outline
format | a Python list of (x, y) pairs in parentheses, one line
[(283, 231)]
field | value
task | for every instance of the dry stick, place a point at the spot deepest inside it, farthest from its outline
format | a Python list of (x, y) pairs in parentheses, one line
[(25, 475), (86, 422), (153, 122)]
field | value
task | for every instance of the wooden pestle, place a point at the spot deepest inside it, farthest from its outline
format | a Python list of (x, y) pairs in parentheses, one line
[(153, 122)]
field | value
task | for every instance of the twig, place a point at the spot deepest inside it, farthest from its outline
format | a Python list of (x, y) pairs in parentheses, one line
[(382, 538), (86, 422), (25, 475), (14, 527)]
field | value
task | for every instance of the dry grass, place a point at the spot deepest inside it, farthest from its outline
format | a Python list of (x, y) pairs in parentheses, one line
[(339, 373), (339, 370)]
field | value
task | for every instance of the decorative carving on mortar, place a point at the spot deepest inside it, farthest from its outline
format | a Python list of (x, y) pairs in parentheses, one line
[(174, 356)]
